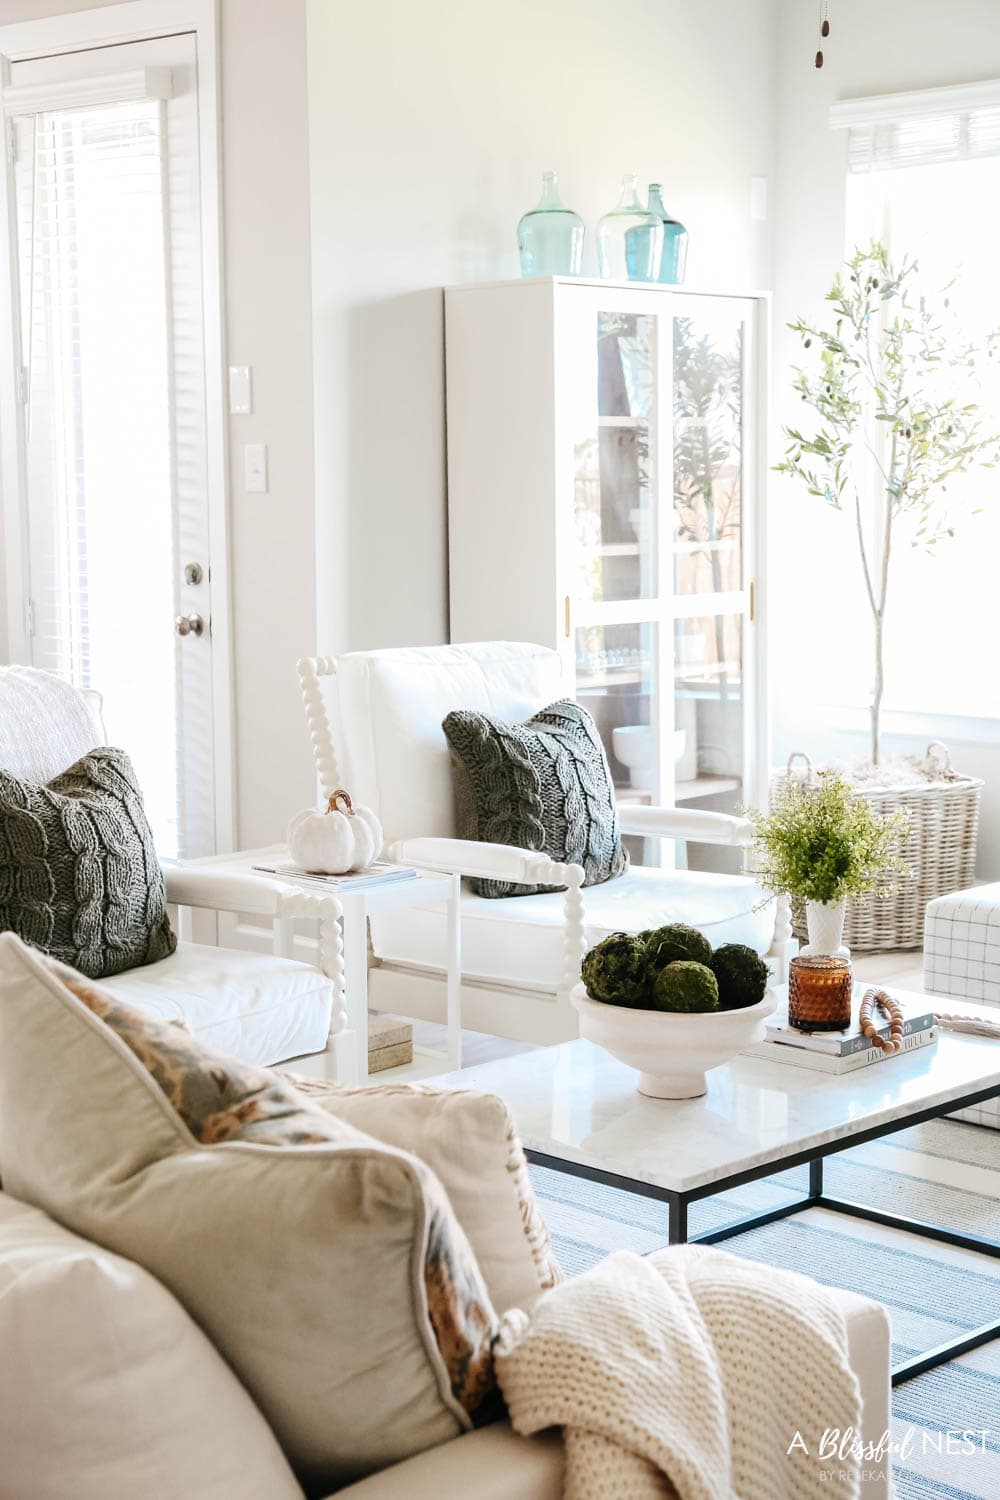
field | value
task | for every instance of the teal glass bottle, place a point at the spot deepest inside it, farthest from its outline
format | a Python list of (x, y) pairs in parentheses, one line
[(550, 236), (675, 239), (629, 239)]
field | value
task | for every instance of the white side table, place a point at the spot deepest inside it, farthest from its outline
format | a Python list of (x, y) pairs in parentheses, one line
[(357, 906)]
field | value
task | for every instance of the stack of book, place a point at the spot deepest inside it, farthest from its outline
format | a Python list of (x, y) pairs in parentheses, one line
[(839, 1051), (390, 1042), (376, 874)]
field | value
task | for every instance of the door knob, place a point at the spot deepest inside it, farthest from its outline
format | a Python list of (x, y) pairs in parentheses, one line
[(189, 624)]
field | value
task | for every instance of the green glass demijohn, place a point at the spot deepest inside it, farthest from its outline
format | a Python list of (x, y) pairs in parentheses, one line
[(675, 239), (550, 236)]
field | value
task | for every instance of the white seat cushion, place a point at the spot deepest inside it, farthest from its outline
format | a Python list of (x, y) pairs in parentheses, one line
[(260, 1008), (46, 724), (519, 940)]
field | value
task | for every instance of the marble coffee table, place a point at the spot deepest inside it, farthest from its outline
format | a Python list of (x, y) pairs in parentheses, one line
[(578, 1111)]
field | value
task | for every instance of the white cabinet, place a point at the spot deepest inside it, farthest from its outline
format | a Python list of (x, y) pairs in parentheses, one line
[(606, 477)]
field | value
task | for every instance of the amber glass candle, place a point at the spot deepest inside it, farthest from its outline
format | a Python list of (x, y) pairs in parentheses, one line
[(819, 994)]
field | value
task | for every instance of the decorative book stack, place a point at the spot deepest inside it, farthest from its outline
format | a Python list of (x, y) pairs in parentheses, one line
[(839, 1051), (390, 1042)]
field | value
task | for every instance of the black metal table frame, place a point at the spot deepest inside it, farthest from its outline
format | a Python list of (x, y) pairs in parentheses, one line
[(678, 1200)]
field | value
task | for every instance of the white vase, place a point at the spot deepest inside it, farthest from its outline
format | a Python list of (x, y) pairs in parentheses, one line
[(825, 922)]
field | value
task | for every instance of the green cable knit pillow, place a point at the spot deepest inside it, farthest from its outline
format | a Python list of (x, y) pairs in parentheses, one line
[(79, 876), (542, 785)]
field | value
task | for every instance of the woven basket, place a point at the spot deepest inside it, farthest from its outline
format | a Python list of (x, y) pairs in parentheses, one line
[(940, 851)]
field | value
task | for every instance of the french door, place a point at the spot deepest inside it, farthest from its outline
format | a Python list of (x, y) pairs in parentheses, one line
[(109, 325)]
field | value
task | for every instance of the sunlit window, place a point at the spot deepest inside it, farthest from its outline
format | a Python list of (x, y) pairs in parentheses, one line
[(945, 624)]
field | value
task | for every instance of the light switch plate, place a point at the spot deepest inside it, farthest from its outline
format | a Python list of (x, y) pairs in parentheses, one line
[(758, 199), (240, 390), (255, 468)]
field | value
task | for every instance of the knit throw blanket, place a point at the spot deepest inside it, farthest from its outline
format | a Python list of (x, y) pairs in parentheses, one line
[(688, 1373)]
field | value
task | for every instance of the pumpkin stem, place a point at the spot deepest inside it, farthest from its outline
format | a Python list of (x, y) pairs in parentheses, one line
[(338, 797)]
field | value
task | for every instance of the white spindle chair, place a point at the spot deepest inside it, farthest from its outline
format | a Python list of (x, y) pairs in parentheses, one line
[(265, 1008), (521, 955)]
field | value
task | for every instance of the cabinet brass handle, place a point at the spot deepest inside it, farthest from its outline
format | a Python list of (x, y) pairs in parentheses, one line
[(566, 609)]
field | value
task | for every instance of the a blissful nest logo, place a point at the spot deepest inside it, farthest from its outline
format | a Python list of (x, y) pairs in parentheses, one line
[(845, 1449)]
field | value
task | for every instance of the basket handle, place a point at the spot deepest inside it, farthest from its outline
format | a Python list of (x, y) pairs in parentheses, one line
[(810, 772), (938, 757)]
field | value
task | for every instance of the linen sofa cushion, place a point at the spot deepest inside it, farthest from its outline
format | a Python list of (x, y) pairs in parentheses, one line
[(79, 876), (470, 1142), (107, 1388), (390, 704), (542, 785), (328, 1269)]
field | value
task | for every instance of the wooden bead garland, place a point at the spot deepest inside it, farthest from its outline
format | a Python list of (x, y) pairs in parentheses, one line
[(891, 1010)]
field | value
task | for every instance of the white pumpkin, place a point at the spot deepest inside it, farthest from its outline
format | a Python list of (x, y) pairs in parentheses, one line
[(341, 838)]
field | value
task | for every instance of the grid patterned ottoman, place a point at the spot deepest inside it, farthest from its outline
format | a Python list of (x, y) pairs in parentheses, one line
[(962, 959)]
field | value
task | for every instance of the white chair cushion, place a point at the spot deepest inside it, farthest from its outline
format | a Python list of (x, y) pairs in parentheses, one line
[(520, 939), (46, 724), (107, 1386), (260, 1008), (390, 704)]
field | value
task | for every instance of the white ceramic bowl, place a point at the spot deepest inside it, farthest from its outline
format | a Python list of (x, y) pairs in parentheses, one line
[(671, 1050)]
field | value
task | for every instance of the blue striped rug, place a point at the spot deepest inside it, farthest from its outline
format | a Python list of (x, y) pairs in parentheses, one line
[(944, 1171)]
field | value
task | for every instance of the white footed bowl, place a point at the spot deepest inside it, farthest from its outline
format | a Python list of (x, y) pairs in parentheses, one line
[(671, 1050)]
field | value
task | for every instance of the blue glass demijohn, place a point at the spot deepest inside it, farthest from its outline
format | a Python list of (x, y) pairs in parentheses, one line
[(675, 239), (629, 239), (550, 237)]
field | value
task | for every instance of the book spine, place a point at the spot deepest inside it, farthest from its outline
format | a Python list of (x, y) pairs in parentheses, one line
[(878, 1055), (820, 1062), (911, 1027), (824, 1045)]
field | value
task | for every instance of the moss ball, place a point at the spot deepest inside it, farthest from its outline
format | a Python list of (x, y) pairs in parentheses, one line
[(675, 943), (742, 975), (615, 970), (686, 986)]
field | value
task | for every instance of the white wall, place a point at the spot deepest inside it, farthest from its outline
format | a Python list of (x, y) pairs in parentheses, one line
[(430, 127), (815, 586), (269, 325)]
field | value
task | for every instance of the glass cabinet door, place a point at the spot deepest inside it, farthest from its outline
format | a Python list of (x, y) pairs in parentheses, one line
[(660, 567)]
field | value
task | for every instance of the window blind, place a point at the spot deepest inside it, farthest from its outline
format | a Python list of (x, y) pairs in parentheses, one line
[(920, 129), (90, 195)]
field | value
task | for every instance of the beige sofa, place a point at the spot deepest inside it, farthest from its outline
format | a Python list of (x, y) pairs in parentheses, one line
[(106, 1379)]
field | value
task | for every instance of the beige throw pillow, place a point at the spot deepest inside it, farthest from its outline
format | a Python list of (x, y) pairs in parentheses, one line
[(470, 1142), (327, 1268)]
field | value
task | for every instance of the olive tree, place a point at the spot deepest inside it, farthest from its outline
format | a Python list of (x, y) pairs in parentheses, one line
[(890, 383)]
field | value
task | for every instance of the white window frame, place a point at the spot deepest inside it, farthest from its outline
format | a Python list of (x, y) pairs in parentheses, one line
[(882, 109), (113, 25)]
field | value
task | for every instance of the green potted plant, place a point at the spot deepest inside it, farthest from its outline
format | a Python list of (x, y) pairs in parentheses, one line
[(822, 846), (891, 390)]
